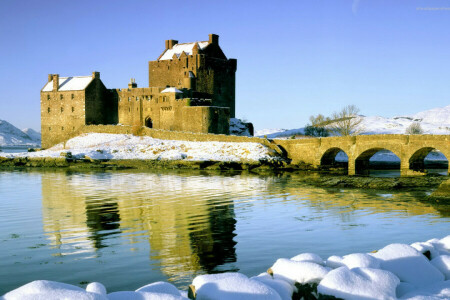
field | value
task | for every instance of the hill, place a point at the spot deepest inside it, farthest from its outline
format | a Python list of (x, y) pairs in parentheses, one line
[(11, 136), (433, 121)]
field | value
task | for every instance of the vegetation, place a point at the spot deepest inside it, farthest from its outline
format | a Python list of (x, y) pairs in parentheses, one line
[(344, 122), (316, 127), (414, 128)]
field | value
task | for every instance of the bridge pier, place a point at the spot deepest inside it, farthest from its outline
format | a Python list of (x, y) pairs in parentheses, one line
[(351, 167)]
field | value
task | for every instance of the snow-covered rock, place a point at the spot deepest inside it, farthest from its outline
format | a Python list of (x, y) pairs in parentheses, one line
[(232, 286), (359, 283), (284, 289), (408, 264), (311, 257), (298, 271), (49, 290), (160, 287)]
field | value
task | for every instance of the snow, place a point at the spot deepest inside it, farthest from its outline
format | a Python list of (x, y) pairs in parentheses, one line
[(44, 289), (360, 260), (311, 257), (284, 289), (160, 287), (397, 271), (179, 48), (125, 146), (75, 83), (359, 283), (33, 134), (442, 263), (232, 286), (171, 90), (11, 136), (298, 271), (408, 264), (433, 121)]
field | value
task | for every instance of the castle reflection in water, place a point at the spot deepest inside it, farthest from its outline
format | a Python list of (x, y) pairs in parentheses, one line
[(187, 220)]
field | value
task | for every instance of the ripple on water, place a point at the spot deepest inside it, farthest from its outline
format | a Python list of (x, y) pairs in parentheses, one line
[(131, 228)]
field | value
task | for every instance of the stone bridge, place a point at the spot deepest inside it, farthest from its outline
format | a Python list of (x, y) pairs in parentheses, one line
[(410, 149)]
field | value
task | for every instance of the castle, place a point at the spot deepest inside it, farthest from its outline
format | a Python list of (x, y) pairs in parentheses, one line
[(191, 88)]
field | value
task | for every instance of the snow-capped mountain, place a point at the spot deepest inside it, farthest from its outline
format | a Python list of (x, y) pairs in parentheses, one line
[(11, 136), (433, 121)]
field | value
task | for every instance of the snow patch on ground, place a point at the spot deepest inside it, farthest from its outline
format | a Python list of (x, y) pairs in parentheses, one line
[(125, 146)]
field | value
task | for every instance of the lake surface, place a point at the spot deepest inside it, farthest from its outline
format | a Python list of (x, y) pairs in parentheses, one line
[(127, 229)]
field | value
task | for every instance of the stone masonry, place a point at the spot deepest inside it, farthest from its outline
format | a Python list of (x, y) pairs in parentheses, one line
[(191, 88)]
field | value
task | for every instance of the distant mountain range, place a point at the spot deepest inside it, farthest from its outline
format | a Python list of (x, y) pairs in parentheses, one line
[(433, 121), (11, 136)]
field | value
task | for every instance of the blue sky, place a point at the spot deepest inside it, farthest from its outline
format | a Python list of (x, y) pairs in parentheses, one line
[(295, 58)]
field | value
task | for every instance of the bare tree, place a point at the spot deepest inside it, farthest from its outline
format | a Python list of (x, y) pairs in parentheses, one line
[(414, 128), (316, 127), (346, 122)]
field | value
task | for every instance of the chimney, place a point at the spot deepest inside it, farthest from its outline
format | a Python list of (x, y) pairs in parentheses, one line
[(171, 43), (213, 39), (132, 84), (50, 77), (55, 82), (195, 49), (96, 75)]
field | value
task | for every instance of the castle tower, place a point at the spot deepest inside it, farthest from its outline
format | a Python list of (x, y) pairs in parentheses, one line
[(198, 66)]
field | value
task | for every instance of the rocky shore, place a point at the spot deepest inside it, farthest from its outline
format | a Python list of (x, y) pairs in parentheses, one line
[(397, 271)]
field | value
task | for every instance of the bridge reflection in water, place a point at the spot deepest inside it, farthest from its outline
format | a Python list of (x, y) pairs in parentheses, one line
[(410, 149)]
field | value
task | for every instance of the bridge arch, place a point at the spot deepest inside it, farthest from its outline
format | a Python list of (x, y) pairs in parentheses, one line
[(328, 158), (362, 161), (417, 159)]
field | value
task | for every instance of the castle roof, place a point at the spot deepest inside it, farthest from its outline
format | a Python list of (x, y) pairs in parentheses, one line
[(180, 48), (74, 83), (171, 90)]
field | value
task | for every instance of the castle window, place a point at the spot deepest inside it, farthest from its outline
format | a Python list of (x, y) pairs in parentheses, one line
[(62, 109), (129, 98), (48, 110), (73, 109), (129, 109), (73, 96), (48, 97), (168, 67), (49, 129), (137, 98), (61, 96), (151, 97), (62, 128)]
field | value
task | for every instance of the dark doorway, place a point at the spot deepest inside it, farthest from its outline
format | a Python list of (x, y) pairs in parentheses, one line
[(148, 122)]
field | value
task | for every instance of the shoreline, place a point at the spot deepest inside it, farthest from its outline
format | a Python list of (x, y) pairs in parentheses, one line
[(398, 270), (331, 178)]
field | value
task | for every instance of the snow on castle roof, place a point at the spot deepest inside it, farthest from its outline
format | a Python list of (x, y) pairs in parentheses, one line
[(171, 90), (180, 48), (75, 83)]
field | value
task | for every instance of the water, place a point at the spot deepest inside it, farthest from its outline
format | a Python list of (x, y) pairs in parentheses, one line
[(127, 229)]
